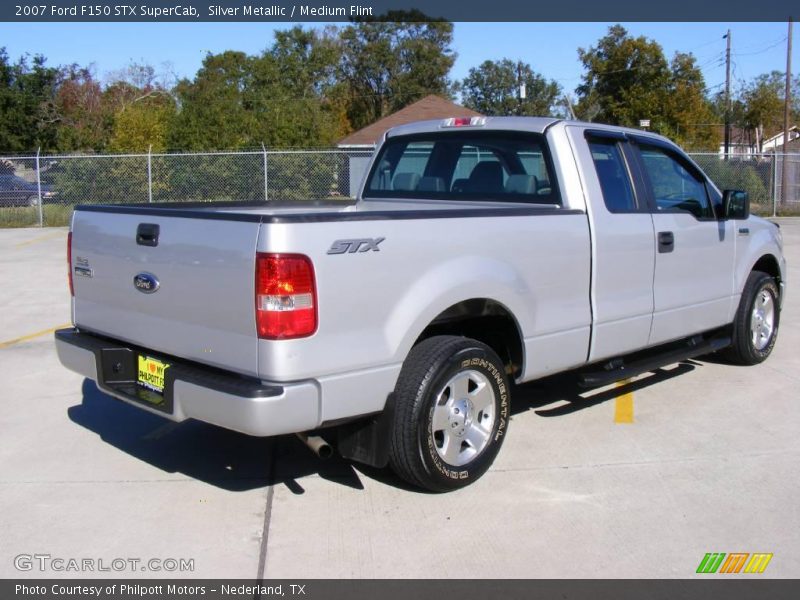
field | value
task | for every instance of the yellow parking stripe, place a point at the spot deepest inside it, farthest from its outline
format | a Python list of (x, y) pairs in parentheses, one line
[(41, 238), (31, 336), (623, 405)]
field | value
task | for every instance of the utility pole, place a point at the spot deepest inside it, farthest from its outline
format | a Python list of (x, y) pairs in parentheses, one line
[(520, 88), (727, 36), (787, 102)]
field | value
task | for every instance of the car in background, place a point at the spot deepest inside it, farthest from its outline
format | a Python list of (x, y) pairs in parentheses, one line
[(16, 191)]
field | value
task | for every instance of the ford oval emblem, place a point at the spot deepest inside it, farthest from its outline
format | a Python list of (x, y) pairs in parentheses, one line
[(146, 283)]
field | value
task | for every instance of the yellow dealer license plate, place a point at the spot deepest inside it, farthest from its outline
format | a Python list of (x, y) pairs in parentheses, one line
[(151, 373)]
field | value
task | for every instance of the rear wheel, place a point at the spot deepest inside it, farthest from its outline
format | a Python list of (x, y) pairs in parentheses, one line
[(755, 327), (451, 413)]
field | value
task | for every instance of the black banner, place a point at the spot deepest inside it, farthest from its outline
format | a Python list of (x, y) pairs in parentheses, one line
[(436, 589), (452, 10)]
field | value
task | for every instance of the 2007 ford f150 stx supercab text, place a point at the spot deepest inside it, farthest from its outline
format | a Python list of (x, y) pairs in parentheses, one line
[(480, 252)]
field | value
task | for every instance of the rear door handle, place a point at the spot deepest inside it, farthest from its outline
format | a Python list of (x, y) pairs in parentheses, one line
[(666, 242), (147, 234)]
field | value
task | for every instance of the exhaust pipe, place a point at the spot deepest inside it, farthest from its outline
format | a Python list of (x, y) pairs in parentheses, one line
[(317, 445)]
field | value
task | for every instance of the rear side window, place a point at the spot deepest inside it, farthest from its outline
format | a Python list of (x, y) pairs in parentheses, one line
[(675, 187), (502, 166), (613, 176)]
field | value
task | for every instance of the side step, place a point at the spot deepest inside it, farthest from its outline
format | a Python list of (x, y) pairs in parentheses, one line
[(617, 369)]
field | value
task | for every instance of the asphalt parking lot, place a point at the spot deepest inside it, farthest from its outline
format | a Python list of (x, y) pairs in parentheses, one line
[(710, 463)]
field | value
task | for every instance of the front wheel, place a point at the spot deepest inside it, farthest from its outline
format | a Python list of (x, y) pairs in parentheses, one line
[(755, 327), (451, 413)]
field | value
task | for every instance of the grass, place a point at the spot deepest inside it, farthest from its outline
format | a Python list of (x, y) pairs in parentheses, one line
[(783, 211), (53, 215)]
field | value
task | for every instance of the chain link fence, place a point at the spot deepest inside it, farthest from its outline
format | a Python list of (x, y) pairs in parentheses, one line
[(42, 190), (761, 176)]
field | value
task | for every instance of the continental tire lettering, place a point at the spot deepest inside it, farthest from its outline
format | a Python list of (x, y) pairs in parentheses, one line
[(497, 376)]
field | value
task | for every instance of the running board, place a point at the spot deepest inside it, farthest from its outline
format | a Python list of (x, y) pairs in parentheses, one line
[(617, 369)]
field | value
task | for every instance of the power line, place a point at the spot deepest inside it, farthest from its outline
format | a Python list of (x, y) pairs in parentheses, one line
[(767, 49)]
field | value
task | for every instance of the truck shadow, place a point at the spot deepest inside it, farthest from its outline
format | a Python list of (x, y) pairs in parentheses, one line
[(563, 392), (217, 456), (238, 462)]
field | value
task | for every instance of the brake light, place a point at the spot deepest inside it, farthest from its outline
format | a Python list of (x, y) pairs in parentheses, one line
[(69, 263), (285, 296), (464, 122)]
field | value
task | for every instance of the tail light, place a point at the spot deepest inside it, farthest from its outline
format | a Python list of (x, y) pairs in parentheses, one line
[(69, 263), (286, 296)]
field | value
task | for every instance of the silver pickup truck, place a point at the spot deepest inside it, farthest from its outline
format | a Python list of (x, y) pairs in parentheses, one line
[(480, 252)]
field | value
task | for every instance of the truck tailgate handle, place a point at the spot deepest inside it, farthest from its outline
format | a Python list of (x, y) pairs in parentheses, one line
[(666, 241), (147, 234)]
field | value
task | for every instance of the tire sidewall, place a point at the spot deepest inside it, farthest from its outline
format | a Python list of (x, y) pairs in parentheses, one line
[(768, 284), (476, 358)]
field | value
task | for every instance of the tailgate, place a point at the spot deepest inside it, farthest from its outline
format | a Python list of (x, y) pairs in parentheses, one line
[(203, 306)]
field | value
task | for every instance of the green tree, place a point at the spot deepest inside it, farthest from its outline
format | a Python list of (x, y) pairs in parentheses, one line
[(280, 98), (687, 113), (25, 91), (493, 89), (763, 102), (215, 113), (628, 79), (294, 89), (143, 125), (625, 79), (390, 63)]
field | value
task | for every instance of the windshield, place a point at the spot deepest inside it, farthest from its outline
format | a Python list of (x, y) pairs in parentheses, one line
[(497, 165)]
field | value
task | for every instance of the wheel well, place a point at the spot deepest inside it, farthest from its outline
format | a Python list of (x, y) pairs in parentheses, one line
[(769, 265), (484, 320)]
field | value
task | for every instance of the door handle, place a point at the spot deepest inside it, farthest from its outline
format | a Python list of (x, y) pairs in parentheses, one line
[(666, 242), (147, 234)]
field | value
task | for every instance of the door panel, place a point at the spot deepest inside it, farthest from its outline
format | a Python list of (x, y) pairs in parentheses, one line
[(693, 280), (624, 250)]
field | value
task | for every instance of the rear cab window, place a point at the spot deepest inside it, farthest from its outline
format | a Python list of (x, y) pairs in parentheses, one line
[(503, 166)]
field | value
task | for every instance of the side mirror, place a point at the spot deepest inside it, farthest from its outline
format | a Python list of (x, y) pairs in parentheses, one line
[(735, 204)]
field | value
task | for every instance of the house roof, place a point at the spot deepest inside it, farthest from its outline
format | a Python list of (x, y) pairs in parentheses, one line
[(430, 107), (777, 139)]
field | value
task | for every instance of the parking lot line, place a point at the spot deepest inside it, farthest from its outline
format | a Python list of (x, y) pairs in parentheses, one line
[(31, 336), (623, 405), (41, 238)]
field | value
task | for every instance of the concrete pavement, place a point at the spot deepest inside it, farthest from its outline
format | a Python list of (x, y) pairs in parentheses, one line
[(709, 464)]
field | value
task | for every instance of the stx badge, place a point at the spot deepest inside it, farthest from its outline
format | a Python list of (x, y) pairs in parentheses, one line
[(353, 246)]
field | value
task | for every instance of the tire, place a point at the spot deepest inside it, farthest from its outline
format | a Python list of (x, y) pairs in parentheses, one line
[(32, 201), (755, 327), (451, 410)]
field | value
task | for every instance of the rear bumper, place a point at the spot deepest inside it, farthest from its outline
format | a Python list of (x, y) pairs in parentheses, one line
[(192, 391)]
